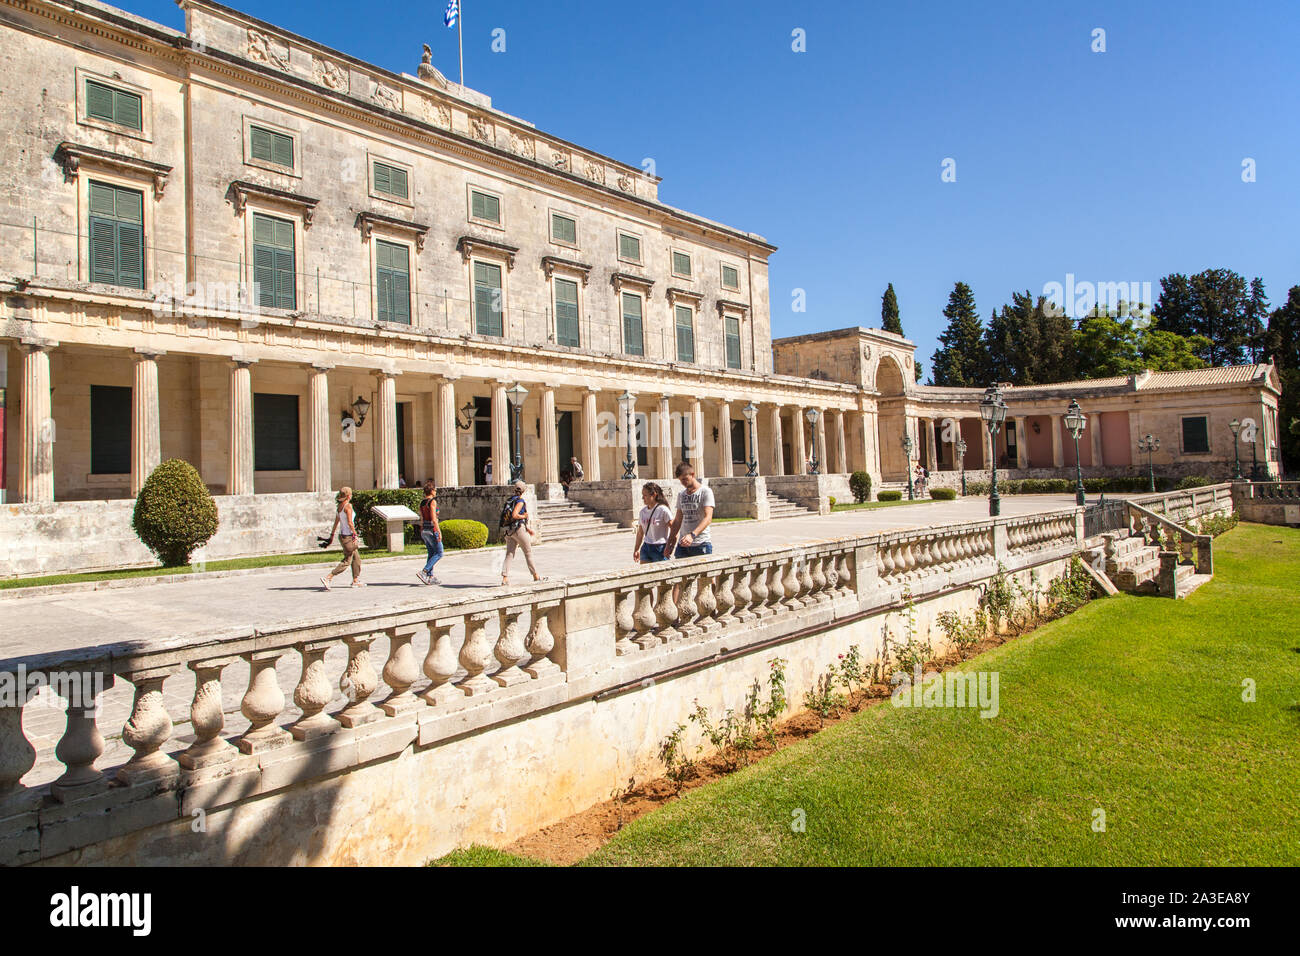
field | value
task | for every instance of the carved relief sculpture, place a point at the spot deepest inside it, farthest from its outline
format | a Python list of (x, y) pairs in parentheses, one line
[(330, 75), (263, 49)]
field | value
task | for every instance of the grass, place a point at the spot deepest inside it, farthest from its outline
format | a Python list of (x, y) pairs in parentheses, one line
[(1132, 706), (483, 856), (868, 505)]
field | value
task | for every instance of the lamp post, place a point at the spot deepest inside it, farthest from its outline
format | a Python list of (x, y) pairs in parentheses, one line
[(751, 411), (1236, 457), (1248, 433), (907, 450), (1149, 445), (994, 412), (812, 415), (362, 408), (1076, 422), (961, 456), (517, 396), (628, 401)]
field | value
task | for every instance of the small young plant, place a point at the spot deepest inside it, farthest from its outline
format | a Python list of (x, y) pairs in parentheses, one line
[(672, 753), (822, 699)]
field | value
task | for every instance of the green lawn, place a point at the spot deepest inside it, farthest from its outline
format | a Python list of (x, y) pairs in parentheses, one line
[(1133, 705), (868, 505)]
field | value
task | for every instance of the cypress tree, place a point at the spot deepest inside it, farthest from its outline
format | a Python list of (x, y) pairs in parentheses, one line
[(962, 359), (889, 320)]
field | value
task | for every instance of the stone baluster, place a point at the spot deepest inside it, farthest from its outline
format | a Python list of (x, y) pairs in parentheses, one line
[(758, 588), (207, 717), (82, 743), (790, 585), (885, 560), (808, 581), (476, 654), (440, 665), (706, 601), (541, 641), (313, 693), (148, 728), (401, 670), (644, 619), (625, 632), (262, 704), (358, 682), (821, 582), (726, 596), (775, 588), (666, 613), (744, 596), (510, 649), (17, 755), (846, 583), (688, 611)]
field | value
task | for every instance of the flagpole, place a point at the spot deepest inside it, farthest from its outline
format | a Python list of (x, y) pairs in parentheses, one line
[(460, 39)]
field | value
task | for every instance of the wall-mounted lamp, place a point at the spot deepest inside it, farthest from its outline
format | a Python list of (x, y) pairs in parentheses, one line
[(1038, 427), (468, 412), (715, 434), (360, 408)]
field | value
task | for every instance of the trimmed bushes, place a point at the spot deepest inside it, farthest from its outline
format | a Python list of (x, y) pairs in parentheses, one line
[(860, 485), (461, 533), (1065, 486), (943, 494), (174, 513), (1193, 481), (371, 527), (892, 494)]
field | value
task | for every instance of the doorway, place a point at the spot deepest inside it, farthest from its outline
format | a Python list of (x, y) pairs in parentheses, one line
[(564, 439), (483, 439)]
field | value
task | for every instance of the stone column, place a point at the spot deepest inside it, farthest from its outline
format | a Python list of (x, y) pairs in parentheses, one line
[(590, 441), (1094, 426), (798, 449), (501, 461), (1022, 443), (550, 440), (819, 439), (319, 477), (240, 481), (841, 449), (386, 431), (697, 438), (146, 429), (446, 469), (1058, 450), (778, 439), (931, 448), (724, 440), (664, 453), (36, 459)]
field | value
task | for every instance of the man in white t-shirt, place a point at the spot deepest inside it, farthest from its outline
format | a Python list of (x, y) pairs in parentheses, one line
[(694, 515)]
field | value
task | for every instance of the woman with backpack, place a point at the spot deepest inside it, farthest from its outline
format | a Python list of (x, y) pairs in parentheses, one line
[(430, 533), (652, 527), (518, 533)]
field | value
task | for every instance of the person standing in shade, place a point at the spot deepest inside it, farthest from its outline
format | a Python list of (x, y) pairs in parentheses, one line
[(345, 523), (572, 474), (518, 533), (487, 472), (652, 526), (694, 515), (430, 533)]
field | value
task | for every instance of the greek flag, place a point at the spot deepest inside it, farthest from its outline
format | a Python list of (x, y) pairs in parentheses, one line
[(452, 14)]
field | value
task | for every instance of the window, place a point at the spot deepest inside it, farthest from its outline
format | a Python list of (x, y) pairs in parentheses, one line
[(273, 262), (685, 334), (1196, 435), (732, 329), (110, 430), (391, 180), (110, 105), (682, 265), (270, 146), (566, 312), (484, 207), (116, 235), (629, 247), (275, 432), (564, 229), (730, 277), (632, 342), (393, 281), (488, 307)]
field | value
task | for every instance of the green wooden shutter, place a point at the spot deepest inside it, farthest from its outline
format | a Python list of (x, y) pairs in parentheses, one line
[(113, 105), (259, 143), (270, 146), (733, 342), (383, 182), (681, 264), (99, 101), (564, 229), (282, 149), (566, 313), (483, 206), (127, 109), (393, 282), (632, 340), (286, 296), (103, 251), (730, 277), (274, 265), (130, 255), (629, 247), (685, 334), (116, 236), (488, 316)]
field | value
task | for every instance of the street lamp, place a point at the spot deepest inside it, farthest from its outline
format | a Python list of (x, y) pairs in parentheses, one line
[(994, 412), (812, 416), (751, 411), (685, 430), (1249, 431), (1076, 422), (907, 450), (1236, 458), (360, 408), (1149, 445), (961, 455), (517, 396), (628, 401)]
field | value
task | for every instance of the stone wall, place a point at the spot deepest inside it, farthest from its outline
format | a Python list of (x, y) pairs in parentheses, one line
[(1276, 502)]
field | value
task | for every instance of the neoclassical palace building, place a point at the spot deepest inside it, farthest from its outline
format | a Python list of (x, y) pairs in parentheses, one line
[(297, 270)]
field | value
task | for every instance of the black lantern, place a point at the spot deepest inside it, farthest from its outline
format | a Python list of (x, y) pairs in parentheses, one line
[(1076, 422), (994, 412)]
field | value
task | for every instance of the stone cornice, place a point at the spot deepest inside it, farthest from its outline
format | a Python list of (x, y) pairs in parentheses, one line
[(728, 305), (689, 295), (620, 279), (72, 156), (466, 245), (367, 221), (553, 264), (240, 190)]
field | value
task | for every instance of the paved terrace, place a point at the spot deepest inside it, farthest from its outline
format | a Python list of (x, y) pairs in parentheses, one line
[(192, 606)]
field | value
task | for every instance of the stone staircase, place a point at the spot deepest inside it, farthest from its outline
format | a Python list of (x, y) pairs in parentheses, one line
[(1135, 567), (564, 520), (779, 507)]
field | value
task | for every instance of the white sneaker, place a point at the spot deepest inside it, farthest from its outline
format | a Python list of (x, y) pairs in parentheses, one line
[(424, 578), (325, 582), (432, 579)]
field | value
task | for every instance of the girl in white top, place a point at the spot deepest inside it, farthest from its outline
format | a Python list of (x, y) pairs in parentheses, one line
[(653, 525)]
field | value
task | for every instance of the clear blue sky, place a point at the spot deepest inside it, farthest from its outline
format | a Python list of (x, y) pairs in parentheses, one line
[(1116, 166)]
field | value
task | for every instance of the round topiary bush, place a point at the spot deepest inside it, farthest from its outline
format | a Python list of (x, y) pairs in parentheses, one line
[(174, 513), (943, 494), (890, 495), (1192, 481), (461, 533), (860, 485)]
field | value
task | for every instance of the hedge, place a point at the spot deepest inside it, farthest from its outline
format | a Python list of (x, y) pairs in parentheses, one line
[(943, 494), (174, 512), (892, 494), (1065, 486), (860, 485), (374, 530)]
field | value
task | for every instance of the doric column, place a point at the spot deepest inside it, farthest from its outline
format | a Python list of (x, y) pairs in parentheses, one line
[(1094, 426), (146, 430), (819, 437), (724, 440), (798, 448), (386, 431), (778, 462), (36, 459), (841, 449), (664, 452), (1058, 450), (931, 449), (446, 468), (240, 481), (590, 440), (697, 438), (550, 440), (501, 462), (319, 472)]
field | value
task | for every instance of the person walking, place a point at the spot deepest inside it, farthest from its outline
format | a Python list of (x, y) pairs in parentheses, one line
[(345, 523), (518, 532), (695, 504), (652, 526), (430, 533)]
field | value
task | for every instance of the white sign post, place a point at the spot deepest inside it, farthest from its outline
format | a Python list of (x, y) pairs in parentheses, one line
[(395, 517)]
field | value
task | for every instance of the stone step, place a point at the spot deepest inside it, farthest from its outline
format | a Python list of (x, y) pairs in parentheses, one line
[(1193, 582)]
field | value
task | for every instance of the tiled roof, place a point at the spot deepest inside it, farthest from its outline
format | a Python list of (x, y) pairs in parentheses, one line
[(1229, 375), (1154, 381)]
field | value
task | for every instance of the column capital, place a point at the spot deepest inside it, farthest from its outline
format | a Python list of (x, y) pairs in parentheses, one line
[(387, 372), (32, 343), (242, 362), (149, 353), (322, 366)]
